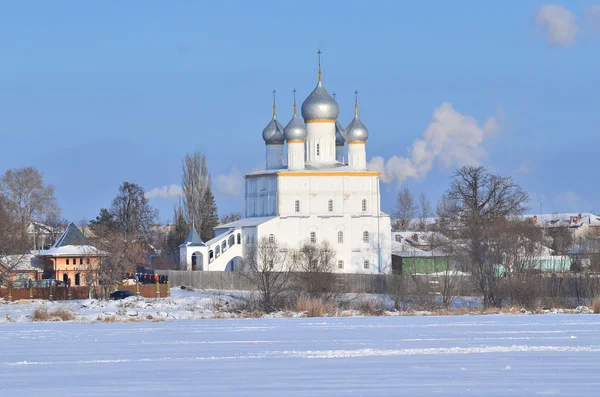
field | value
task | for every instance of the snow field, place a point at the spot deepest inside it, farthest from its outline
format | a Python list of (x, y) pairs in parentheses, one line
[(358, 356)]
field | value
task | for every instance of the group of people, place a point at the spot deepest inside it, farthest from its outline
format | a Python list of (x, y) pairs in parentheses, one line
[(148, 278)]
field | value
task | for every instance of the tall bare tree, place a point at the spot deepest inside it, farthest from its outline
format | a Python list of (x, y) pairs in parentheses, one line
[(477, 205), (131, 213), (406, 209), (266, 266), (14, 246), (195, 182), (424, 212), (27, 197)]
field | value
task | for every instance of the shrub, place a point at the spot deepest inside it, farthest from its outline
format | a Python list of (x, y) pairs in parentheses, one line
[(41, 314), (370, 306), (313, 307), (63, 314)]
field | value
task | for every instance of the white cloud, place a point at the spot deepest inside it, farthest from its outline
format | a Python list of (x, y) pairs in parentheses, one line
[(229, 184), (558, 24), (164, 192), (451, 138)]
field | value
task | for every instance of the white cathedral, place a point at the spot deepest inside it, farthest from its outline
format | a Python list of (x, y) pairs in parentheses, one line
[(315, 187)]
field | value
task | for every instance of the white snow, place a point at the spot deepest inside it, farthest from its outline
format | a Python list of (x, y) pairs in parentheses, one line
[(358, 356)]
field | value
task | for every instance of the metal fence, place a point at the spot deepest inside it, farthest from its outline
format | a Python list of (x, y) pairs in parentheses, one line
[(579, 286), (348, 283)]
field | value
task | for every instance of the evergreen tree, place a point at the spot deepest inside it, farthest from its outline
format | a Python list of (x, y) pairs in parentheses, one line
[(210, 216)]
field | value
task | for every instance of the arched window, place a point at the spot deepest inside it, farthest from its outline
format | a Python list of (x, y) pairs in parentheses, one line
[(313, 237), (65, 277), (271, 239), (239, 238), (77, 279), (211, 256), (366, 264), (340, 237), (297, 206), (365, 237), (217, 251), (364, 205), (224, 246), (330, 206), (340, 264), (231, 240)]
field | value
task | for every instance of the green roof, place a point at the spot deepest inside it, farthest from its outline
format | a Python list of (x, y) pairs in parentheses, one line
[(71, 236)]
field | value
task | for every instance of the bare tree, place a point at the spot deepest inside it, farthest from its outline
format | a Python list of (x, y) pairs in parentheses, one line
[(111, 258), (132, 215), (315, 266), (231, 217), (179, 231), (195, 183), (27, 198), (55, 226), (406, 209), (265, 265), (424, 212), (14, 246), (477, 204)]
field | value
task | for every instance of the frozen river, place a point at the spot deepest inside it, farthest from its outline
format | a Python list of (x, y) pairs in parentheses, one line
[(374, 356)]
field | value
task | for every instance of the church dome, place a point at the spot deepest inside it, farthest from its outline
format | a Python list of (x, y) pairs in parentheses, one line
[(340, 133), (273, 132), (320, 105), (356, 130), (295, 130)]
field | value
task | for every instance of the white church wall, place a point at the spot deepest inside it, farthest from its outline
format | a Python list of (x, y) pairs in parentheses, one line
[(320, 142)]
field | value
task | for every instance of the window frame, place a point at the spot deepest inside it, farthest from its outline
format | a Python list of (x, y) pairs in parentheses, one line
[(313, 237), (364, 205), (366, 264), (330, 205), (340, 237), (297, 206), (365, 236), (340, 264)]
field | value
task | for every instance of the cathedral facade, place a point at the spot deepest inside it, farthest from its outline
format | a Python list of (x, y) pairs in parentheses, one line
[(315, 187)]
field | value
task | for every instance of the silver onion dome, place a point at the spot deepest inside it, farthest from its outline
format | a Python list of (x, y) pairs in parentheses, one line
[(356, 130), (273, 132), (320, 105), (295, 130), (340, 133)]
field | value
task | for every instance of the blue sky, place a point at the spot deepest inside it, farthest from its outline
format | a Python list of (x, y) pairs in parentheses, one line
[(97, 93)]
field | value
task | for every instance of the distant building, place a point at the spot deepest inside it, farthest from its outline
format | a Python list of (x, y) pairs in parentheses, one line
[(71, 257), (578, 223), (21, 267)]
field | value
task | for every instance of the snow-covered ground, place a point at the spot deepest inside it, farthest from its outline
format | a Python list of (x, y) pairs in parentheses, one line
[(499, 355), (183, 304)]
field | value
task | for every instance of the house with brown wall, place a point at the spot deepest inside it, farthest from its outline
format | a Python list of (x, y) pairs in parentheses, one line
[(72, 257)]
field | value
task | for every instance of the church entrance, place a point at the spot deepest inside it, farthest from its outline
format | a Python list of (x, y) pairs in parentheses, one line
[(197, 261)]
